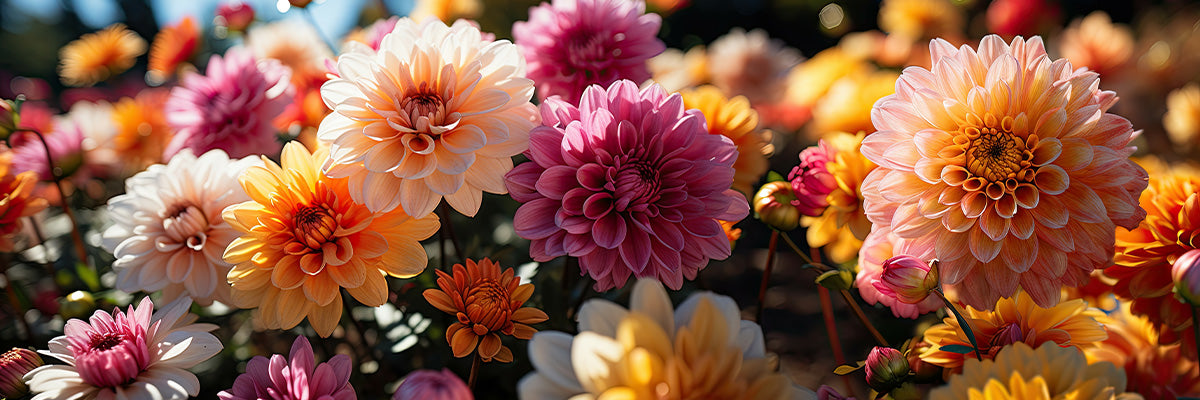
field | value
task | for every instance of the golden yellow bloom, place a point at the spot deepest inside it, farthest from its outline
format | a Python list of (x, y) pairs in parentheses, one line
[(921, 20), (1156, 370), (303, 240), (1014, 320), (446, 10), (16, 200), (810, 80), (486, 303), (1050, 372), (846, 107), (1183, 116), (97, 56), (843, 225), (142, 130), (734, 119)]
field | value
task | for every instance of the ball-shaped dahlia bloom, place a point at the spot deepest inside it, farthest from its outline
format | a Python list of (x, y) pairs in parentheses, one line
[(231, 107), (1006, 165), (297, 376), (437, 112), (571, 44), (630, 182), (168, 233), (130, 355), (432, 385), (487, 302)]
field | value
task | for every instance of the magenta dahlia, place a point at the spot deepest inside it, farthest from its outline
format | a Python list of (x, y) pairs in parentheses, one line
[(231, 107), (297, 376), (571, 44), (630, 182)]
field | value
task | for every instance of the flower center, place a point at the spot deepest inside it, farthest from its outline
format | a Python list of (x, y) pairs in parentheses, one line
[(105, 341), (590, 52), (636, 183), (111, 358), (488, 307), (185, 223), (1007, 335), (314, 226), (424, 107), (994, 154)]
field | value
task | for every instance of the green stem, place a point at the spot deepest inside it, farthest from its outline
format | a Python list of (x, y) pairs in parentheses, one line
[(56, 176), (762, 289), (962, 322)]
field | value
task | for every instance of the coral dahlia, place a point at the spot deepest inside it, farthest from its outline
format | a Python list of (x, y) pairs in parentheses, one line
[(487, 303), (1007, 165), (630, 182), (174, 45), (437, 112), (303, 240)]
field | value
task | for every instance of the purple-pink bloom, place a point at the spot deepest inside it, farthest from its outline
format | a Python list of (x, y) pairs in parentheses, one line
[(571, 44), (432, 385), (629, 182), (811, 181), (66, 146), (231, 107), (296, 377)]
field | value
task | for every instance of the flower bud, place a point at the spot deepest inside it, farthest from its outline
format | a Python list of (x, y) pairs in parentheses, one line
[(923, 372), (773, 205), (78, 304), (811, 182), (887, 369), (14, 364), (1186, 274), (432, 385), (9, 118), (907, 279), (235, 15)]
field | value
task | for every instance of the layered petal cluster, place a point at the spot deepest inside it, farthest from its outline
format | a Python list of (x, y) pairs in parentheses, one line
[(733, 118), (701, 350), (751, 64), (1015, 319), (921, 19), (168, 234), (132, 355), (432, 385), (97, 56), (437, 112), (846, 107), (842, 225), (1007, 166), (1049, 372), (572, 44), (303, 239), (230, 107), (297, 376), (880, 246), (486, 303), (17, 201), (1155, 369), (294, 44), (1142, 270), (630, 182)]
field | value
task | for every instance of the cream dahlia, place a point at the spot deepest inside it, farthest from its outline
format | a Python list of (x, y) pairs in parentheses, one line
[(1007, 165), (435, 113), (168, 233)]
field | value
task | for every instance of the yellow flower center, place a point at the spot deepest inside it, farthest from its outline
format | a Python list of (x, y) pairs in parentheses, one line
[(997, 159), (488, 308), (314, 226)]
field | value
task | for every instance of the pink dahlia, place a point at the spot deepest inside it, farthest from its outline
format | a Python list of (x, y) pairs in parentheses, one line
[(630, 182), (880, 246), (231, 107), (298, 376), (1005, 165), (811, 181), (132, 354), (571, 44), (432, 385), (66, 148)]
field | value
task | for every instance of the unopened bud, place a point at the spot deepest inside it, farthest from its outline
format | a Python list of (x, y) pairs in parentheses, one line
[(907, 279), (14, 364), (1186, 274), (773, 205), (887, 369)]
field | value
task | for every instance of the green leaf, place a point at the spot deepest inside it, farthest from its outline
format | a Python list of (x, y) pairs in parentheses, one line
[(846, 369), (836, 279), (88, 276), (957, 348), (773, 176)]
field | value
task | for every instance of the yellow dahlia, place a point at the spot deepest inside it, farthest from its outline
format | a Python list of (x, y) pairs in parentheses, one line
[(1144, 255), (446, 10), (846, 107), (921, 19), (97, 56), (1021, 373), (303, 240), (810, 80), (1015, 320), (485, 303), (842, 226), (437, 112), (1006, 166), (1155, 370), (1183, 116), (734, 119)]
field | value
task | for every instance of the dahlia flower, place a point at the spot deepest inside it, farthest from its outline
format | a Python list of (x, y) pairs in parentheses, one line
[(773, 206), (1015, 320), (880, 246), (97, 56), (909, 279), (230, 108), (174, 45), (168, 233), (446, 10), (649, 186), (1155, 370), (751, 64), (17, 200), (129, 355), (1021, 17), (733, 118), (1006, 166), (14, 364), (432, 385), (841, 225), (234, 16), (701, 350), (846, 107), (808, 82), (437, 112), (298, 376), (486, 303), (296, 45), (66, 148), (1182, 119), (1049, 372), (142, 131), (811, 181), (886, 368), (676, 70), (303, 240), (1145, 254), (922, 19), (572, 44), (1097, 43)]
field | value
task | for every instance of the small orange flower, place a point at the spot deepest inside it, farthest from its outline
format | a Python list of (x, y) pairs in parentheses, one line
[(16, 201), (173, 45), (142, 130), (95, 57), (486, 302)]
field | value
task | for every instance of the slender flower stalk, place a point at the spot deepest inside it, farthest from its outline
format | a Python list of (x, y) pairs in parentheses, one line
[(762, 289), (56, 175), (845, 293)]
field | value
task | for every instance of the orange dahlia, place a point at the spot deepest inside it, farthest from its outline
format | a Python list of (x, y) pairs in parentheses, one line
[(142, 130), (846, 107), (173, 45), (734, 119), (16, 201), (1005, 165), (1156, 370), (486, 303), (303, 240), (1015, 320), (1144, 255), (97, 56)]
